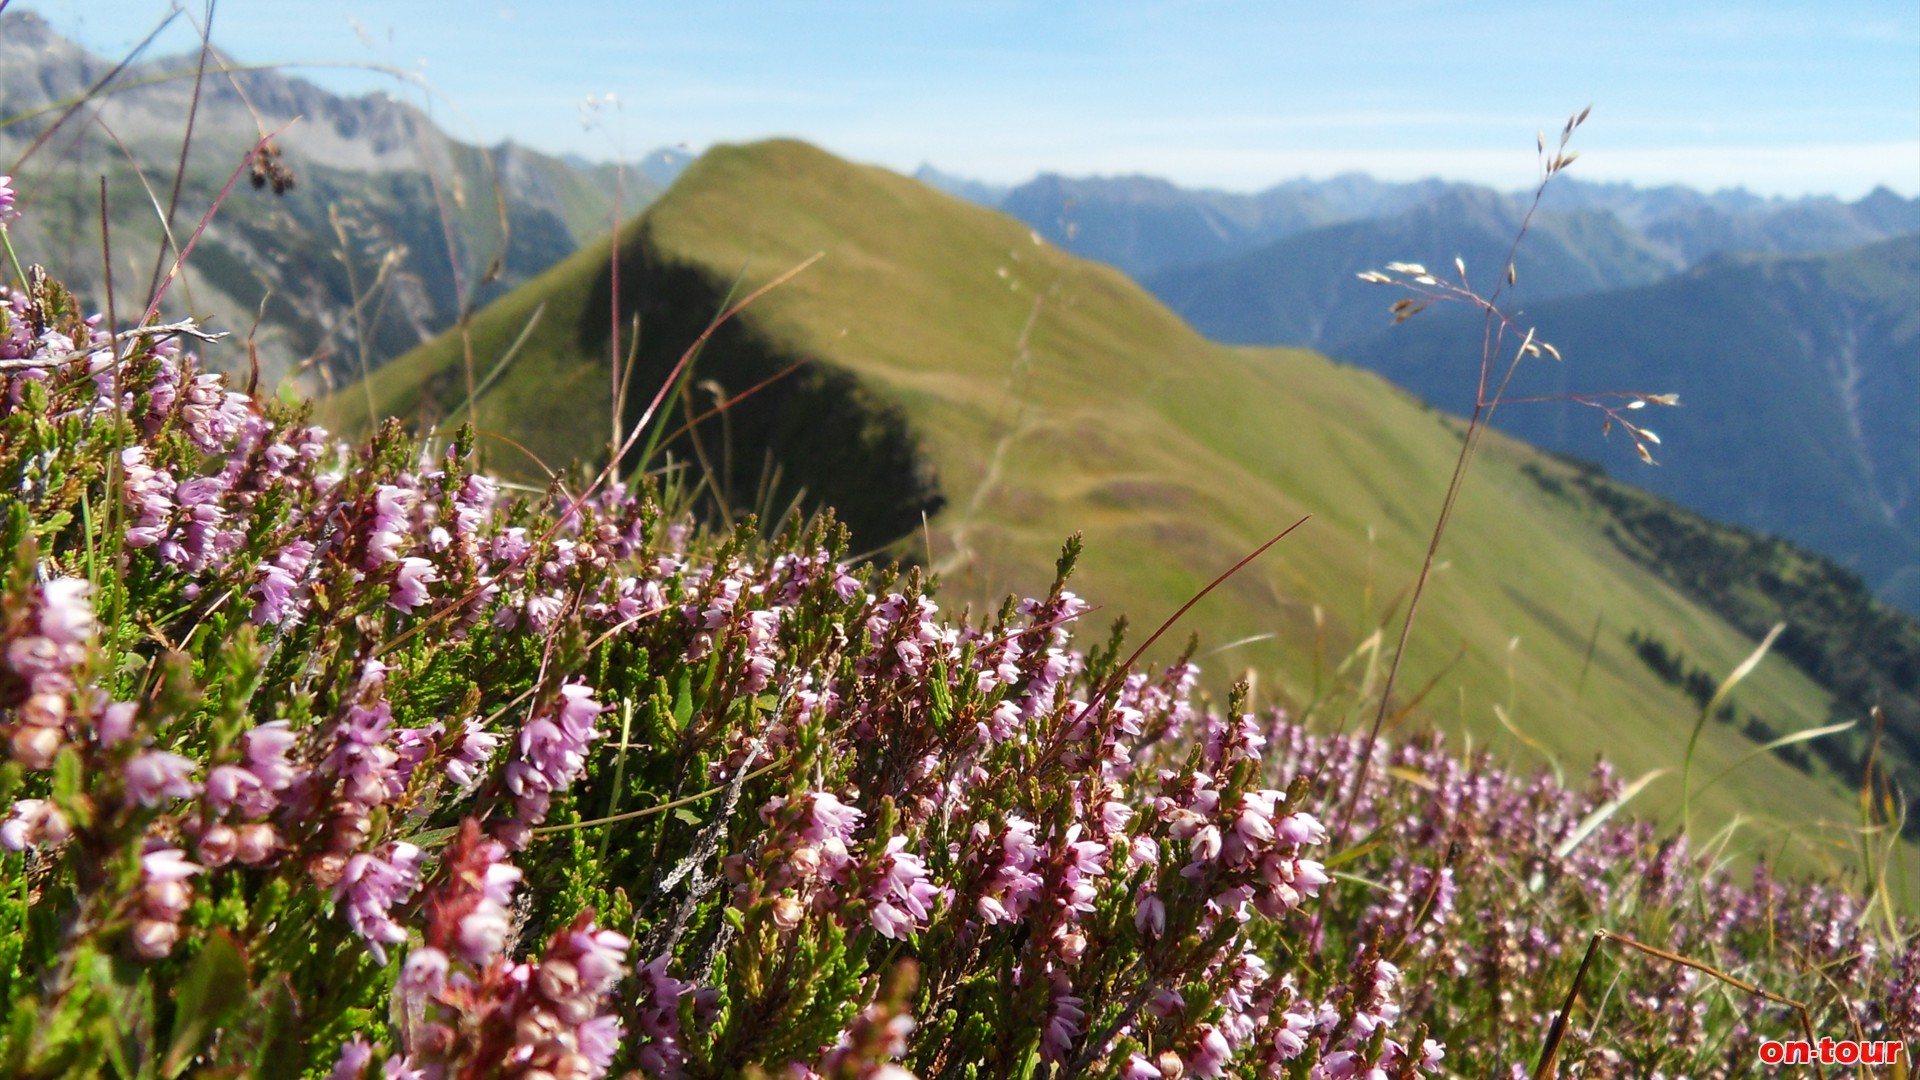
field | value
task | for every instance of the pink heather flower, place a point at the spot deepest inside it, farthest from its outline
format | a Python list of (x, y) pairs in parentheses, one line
[(1290, 1037), (1150, 916), (1301, 828), (115, 725), (279, 584), (228, 785), (267, 745), (149, 493), (904, 896), (351, 1064), (212, 414), (890, 922), (153, 939), (1210, 1055), (511, 545), (475, 497), (600, 956), (483, 932), (217, 845), (254, 844), (361, 757), (410, 584), (828, 817), (1206, 845), (401, 1067), (759, 674), (1254, 825), (67, 616), (7, 212), (425, 972), (475, 748), (412, 745), (1340, 1065), (1139, 1068), (658, 1018), (164, 898), (369, 886), (157, 775), (1002, 722), (552, 752), (391, 506), (1308, 876), (1063, 1026), (1165, 1002), (33, 823), (542, 610), (599, 1039)]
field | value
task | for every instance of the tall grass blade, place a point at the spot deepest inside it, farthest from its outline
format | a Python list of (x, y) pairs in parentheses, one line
[(1605, 811), (1726, 686)]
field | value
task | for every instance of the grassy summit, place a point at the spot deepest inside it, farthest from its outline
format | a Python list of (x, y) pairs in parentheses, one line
[(961, 367)]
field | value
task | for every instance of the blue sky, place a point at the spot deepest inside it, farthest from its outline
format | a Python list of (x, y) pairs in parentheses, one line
[(1781, 98)]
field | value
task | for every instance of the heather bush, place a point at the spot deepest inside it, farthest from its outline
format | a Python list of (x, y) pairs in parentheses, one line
[(337, 760), (303, 740)]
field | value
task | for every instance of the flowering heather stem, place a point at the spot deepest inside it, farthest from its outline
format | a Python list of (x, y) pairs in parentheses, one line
[(1120, 673)]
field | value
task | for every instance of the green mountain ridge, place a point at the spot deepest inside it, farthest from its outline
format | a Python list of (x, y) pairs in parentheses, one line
[(1016, 395)]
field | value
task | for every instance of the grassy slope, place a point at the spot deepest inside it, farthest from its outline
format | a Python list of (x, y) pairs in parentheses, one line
[(1174, 455)]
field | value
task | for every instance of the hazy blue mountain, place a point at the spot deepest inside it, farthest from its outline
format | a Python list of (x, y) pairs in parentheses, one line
[(1357, 195), (1142, 224), (1302, 290), (1693, 226), (1148, 226), (665, 165), (1799, 377), (977, 192), (389, 229), (1888, 212)]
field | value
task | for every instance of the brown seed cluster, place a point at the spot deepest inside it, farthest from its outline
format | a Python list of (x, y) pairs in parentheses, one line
[(269, 168)]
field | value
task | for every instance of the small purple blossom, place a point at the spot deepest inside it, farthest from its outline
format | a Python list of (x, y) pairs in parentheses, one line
[(370, 886), (157, 775)]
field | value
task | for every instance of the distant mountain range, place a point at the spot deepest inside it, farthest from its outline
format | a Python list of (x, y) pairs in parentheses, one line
[(1304, 290), (1148, 226)]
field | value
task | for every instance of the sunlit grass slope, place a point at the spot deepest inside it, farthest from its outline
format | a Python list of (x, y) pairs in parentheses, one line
[(1053, 395)]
